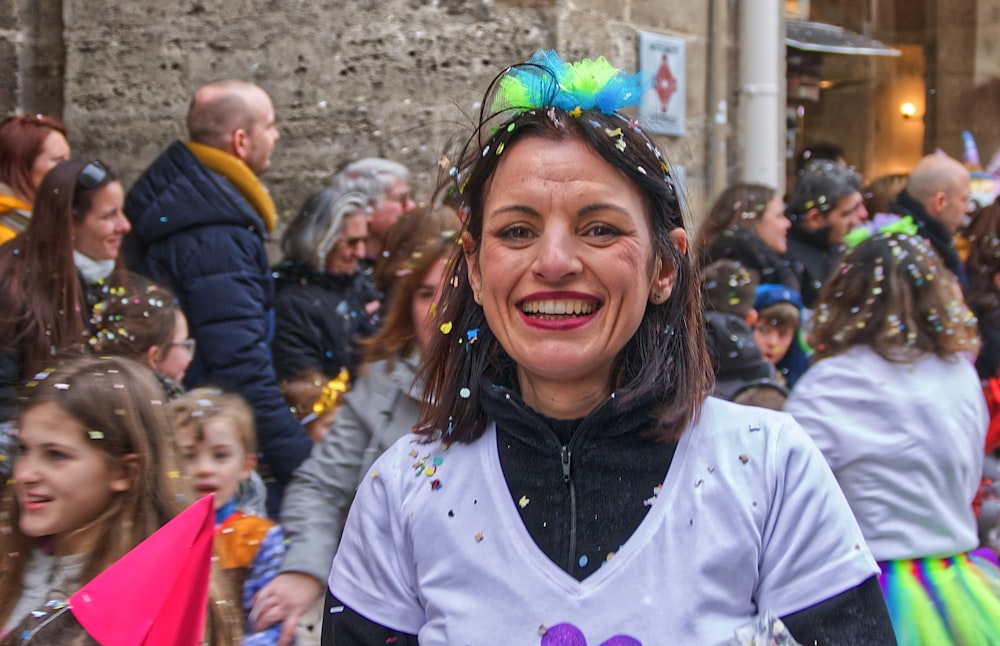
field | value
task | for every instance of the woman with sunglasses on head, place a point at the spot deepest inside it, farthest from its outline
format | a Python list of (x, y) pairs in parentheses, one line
[(57, 270), (321, 305), (30, 146)]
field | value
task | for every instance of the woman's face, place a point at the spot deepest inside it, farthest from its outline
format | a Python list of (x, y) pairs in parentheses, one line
[(62, 481), (426, 294), (563, 271), (55, 149), (350, 246), (772, 226), (99, 234)]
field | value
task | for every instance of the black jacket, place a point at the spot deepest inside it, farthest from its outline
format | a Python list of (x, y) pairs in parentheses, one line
[(812, 251), (319, 319), (942, 241), (744, 245), (193, 231)]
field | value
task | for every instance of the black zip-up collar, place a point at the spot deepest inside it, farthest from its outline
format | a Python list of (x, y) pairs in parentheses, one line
[(579, 485)]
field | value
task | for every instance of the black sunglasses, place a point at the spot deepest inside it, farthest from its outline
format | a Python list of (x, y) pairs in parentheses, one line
[(91, 175)]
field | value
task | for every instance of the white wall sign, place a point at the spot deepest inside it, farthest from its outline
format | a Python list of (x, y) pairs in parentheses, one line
[(662, 109)]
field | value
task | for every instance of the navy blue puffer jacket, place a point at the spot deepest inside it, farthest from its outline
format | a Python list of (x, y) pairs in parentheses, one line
[(193, 231)]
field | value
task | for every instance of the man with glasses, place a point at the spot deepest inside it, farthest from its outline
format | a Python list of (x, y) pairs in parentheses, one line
[(937, 197), (823, 206), (199, 220)]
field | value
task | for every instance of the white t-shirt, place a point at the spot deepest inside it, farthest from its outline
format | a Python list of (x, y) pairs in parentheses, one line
[(749, 519), (905, 441)]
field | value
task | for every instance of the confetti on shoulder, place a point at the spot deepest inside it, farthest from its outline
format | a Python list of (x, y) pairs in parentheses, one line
[(479, 537)]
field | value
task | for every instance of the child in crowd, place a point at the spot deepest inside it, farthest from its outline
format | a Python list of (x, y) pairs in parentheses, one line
[(740, 369), (95, 475), (314, 399), (144, 322), (897, 409), (728, 286), (216, 435), (777, 331)]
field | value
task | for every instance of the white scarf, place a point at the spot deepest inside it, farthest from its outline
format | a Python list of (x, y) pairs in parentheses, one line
[(93, 271)]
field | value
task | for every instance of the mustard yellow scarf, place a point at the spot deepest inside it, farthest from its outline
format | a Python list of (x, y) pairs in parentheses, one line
[(240, 175), (11, 203)]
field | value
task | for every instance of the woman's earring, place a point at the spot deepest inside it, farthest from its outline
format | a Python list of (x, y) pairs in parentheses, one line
[(657, 298)]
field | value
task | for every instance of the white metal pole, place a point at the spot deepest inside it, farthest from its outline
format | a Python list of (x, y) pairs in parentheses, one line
[(762, 65)]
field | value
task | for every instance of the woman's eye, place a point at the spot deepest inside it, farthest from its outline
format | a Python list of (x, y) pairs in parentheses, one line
[(53, 454), (219, 455), (602, 231), (515, 232)]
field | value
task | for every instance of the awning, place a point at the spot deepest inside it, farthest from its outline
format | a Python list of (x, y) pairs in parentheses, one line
[(831, 39)]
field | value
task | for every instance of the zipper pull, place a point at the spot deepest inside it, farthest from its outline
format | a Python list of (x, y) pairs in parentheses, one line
[(564, 453)]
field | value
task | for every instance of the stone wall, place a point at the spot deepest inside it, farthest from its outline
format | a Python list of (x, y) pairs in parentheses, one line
[(349, 78)]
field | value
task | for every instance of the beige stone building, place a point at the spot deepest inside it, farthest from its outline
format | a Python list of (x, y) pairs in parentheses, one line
[(401, 78)]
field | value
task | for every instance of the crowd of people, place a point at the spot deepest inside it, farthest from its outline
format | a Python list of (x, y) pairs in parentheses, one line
[(537, 408)]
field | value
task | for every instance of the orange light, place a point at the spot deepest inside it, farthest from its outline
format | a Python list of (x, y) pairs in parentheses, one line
[(908, 110)]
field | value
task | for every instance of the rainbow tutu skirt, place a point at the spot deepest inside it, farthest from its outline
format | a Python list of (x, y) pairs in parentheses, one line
[(944, 601)]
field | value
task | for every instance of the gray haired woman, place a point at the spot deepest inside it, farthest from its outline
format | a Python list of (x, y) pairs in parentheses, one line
[(322, 302)]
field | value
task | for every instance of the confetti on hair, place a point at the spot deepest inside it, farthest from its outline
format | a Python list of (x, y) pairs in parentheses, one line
[(446, 327)]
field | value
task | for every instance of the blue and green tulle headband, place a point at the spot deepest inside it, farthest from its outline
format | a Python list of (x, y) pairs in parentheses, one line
[(546, 81)]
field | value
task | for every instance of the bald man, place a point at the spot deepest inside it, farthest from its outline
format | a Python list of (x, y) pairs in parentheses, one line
[(199, 219), (937, 198)]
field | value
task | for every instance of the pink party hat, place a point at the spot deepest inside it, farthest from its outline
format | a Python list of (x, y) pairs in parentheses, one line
[(157, 594)]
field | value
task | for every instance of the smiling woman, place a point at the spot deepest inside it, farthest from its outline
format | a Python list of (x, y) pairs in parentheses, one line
[(570, 471), (58, 269)]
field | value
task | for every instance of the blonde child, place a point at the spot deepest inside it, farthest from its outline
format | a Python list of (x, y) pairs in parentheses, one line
[(95, 474), (216, 435)]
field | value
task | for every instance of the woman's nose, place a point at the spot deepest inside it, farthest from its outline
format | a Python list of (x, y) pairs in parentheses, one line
[(25, 469), (557, 255)]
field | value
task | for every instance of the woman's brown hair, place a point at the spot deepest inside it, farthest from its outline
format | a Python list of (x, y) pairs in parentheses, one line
[(737, 207), (893, 294), (431, 234)]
